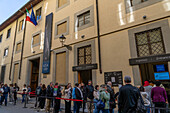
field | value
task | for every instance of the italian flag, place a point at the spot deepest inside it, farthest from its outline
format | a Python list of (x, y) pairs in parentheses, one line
[(28, 18)]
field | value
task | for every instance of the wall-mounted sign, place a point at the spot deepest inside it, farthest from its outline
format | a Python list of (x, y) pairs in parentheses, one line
[(150, 59), (115, 77), (162, 76), (47, 44), (85, 67), (160, 68)]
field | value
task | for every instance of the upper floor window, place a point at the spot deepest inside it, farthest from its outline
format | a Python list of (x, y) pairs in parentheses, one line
[(62, 28), (21, 25), (150, 42), (38, 13), (84, 55), (18, 47), (1, 38), (6, 52), (135, 2), (36, 40), (84, 19), (62, 2), (8, 33)]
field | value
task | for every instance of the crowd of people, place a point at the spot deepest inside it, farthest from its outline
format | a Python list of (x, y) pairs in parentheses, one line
[(96, 99)]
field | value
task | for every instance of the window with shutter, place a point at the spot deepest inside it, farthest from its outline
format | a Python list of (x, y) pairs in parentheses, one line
[(62, 28), (36, 39)]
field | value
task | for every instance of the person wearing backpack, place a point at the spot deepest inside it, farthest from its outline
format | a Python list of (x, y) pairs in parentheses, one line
[(128, 97), (90, 97), (104, 97), (49, 94), (37, 92)]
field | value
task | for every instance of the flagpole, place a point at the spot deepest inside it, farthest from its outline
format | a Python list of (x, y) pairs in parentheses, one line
[(22, 50)]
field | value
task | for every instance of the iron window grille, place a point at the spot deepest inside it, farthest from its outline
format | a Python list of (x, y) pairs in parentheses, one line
[(149, 42), (84, 55)]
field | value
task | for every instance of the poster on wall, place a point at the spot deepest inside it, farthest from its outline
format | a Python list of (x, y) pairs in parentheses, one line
[(115, 77), (47, 44), (162, 76)]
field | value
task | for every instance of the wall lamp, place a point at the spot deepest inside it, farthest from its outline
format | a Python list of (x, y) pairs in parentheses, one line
[(62, 39)]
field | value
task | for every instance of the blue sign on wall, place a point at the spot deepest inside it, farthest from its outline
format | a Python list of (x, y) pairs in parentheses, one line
[(47, 44), (162, 76), (160, 68)]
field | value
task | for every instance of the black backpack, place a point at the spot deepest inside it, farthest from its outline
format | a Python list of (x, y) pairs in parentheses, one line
[(140, 106)]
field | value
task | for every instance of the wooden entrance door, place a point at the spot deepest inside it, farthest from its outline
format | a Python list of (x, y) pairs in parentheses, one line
[(34, 74), (84, 76)]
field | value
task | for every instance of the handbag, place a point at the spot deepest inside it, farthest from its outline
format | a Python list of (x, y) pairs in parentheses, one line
[(100, 105), (140, 106)]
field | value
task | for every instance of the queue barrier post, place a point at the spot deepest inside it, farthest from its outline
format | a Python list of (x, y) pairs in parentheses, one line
[(83, 106)]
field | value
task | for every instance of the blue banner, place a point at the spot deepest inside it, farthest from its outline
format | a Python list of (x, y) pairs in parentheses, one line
[(47, 44)]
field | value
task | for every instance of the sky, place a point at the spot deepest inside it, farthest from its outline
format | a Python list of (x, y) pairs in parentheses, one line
[(9, 7)]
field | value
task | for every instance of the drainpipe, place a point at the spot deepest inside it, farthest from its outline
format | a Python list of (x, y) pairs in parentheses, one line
[(98, 36), (13, 50), (22, 50)]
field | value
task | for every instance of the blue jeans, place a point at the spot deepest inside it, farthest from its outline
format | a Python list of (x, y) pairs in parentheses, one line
[(5, 96), (148, 109), (74, 107), (95, 102), (103, 111), (23, 97)]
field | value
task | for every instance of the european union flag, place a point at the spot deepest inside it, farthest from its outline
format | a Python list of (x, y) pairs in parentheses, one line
[(32, 19)]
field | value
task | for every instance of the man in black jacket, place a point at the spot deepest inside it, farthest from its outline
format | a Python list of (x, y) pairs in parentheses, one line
[(90, 97), (128, 97), (79, 96), (49, 96)]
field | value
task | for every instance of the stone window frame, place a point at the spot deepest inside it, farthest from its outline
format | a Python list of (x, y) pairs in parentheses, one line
[(39, 32), (1, 37), (23, 25), (4, 52), (93, 55), (16, 62), (41, 13), (59, 8), (56, 36), (164, 24), (7, 33), (139, 6), (16, 47), (91, 9), (58, 51)]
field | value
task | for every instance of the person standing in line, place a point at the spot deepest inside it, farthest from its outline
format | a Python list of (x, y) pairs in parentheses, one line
[(148, 89), (29, 91), (74, 97), (145, 98), (104, 95), (5, 94), (1, 93), (15, 90), (159, 97), (128, 97), (90, 97), (68, 95), (79, 96), (96, 97), (112, 103), (83, 89), (42, 99), (11, 93), (24, 93), (37, 92), (49, 96), (58, 94)]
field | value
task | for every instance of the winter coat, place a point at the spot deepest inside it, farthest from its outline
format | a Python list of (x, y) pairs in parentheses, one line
[(49, 91), (105, 97), (79, 94), (128, 97), (68, 93), (96, 94), (89, 91)]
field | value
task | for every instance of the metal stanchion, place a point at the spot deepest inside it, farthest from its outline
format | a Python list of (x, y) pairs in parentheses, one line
[(90, 107), (83, 106)]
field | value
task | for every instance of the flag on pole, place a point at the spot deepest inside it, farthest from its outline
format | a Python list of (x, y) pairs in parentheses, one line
[(31, 18)]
